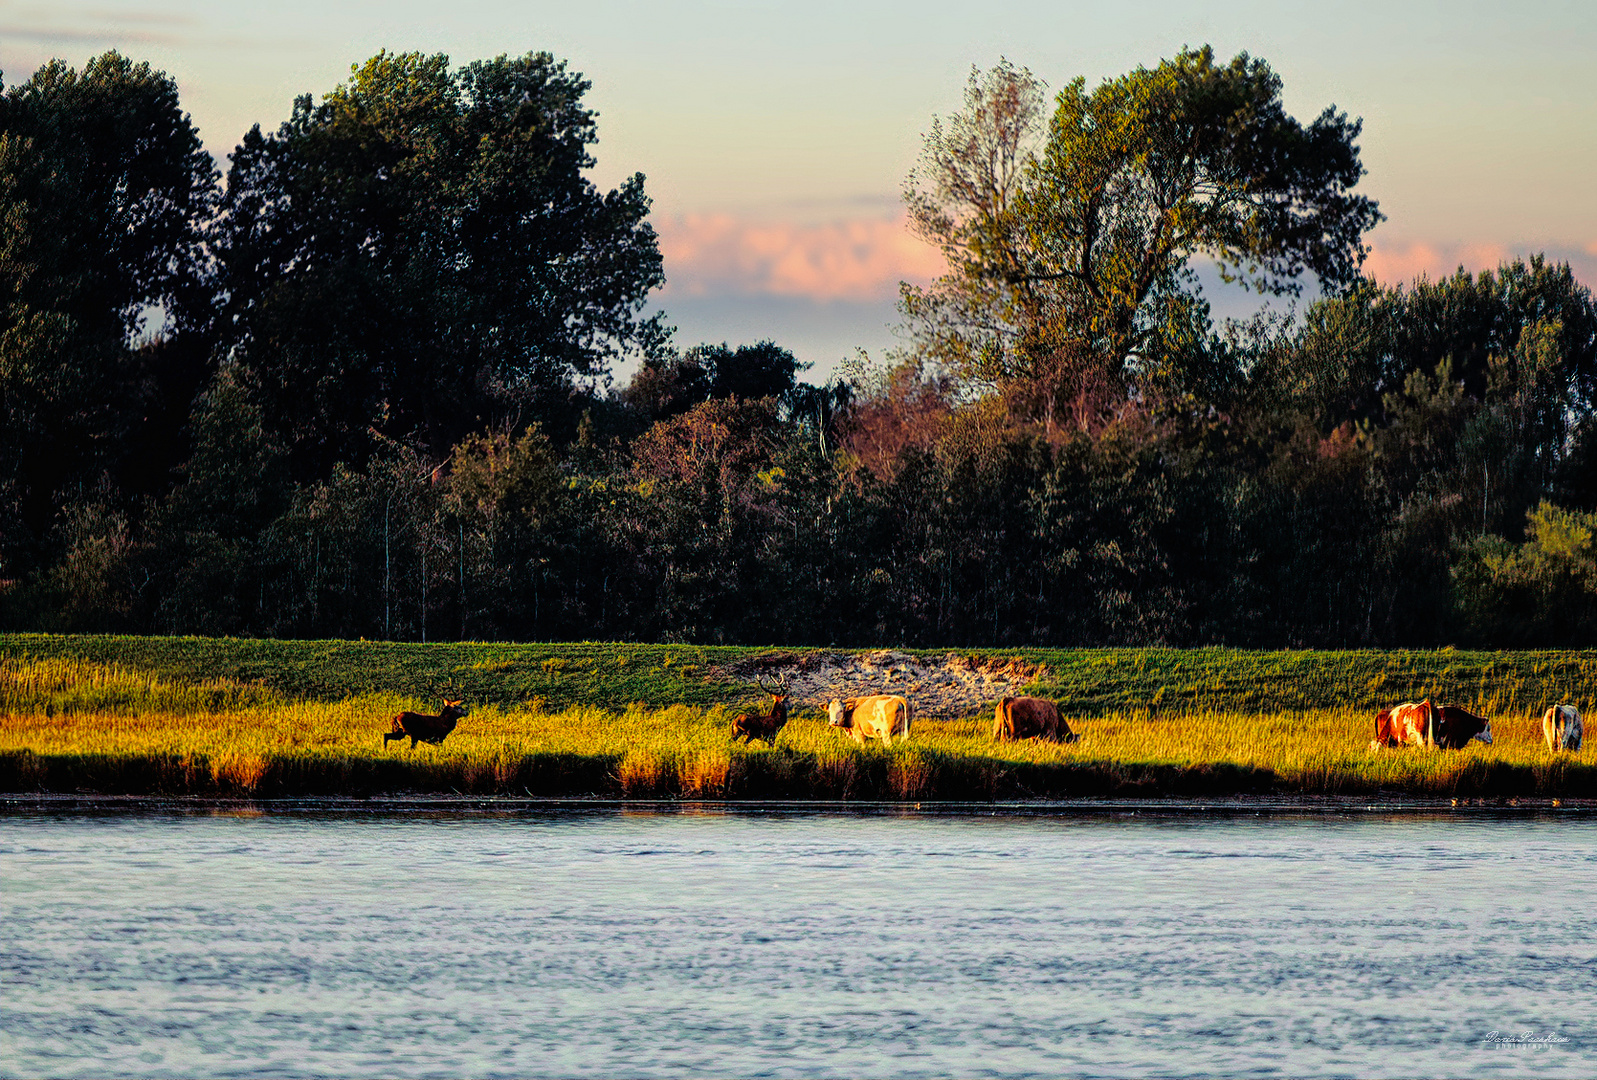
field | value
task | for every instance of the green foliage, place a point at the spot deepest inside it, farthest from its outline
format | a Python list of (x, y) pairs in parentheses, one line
[(1068, 263), (233, 477), (718, 520), (90, 588), (1538, 593)]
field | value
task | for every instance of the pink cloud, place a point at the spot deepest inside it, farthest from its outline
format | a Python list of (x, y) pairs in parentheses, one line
[(1396, 264), (1399, 264), (854, 259), (865, 258)]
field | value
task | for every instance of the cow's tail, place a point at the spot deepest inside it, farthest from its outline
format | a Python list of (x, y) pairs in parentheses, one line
[(1004, 727), (909, 715)]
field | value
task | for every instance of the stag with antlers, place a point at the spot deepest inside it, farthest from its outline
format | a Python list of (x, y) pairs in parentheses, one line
[(751, 726)]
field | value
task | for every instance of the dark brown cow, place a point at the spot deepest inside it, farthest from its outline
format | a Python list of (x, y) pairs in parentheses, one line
[(423, 727), (1030, 718), (751, 726), (1455, 727)]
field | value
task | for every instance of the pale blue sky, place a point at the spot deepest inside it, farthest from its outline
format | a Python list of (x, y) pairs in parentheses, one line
[(775, 135)]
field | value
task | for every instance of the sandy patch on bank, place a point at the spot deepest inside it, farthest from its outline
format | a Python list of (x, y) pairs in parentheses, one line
[(939, 689)]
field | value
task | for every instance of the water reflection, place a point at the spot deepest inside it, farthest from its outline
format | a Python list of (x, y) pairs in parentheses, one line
[(697, 941)]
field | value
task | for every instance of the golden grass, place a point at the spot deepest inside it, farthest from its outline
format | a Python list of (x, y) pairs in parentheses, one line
[(75, 685), (70, 725)]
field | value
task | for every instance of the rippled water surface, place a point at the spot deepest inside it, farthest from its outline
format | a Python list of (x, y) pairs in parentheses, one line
[(792, 944)]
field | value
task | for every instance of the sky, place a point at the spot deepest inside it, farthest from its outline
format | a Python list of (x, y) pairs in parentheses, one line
[(775, 136)]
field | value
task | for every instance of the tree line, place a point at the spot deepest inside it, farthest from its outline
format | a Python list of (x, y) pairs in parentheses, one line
[(362, 388)]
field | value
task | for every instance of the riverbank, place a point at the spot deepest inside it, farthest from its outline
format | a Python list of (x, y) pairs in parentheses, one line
[(450, 807), (191, 717)]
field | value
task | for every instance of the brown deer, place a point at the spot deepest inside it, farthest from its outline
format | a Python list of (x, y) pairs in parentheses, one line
[(423, 727), (751, 726)]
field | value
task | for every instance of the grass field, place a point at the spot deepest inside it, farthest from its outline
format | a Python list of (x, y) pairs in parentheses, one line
[(270, 718)]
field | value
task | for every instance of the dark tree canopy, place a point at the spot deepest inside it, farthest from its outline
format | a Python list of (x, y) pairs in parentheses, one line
[(104, 191), (763, 369), (668, 385), (421, 253)]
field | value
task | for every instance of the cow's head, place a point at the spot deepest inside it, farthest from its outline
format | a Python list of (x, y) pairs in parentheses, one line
[(1484, 734), (839, 714)]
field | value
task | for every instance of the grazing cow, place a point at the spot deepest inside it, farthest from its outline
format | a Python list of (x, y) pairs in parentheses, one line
[(751, 726), (877, 716), (1561, 728), (1028, 718), (422, 727), (1408, 723), (1455, 727)]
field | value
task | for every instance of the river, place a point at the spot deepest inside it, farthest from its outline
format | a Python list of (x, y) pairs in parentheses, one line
[(583, 943)]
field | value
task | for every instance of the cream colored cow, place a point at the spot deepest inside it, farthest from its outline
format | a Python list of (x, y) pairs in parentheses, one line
[(880, 716), (1561, 728)]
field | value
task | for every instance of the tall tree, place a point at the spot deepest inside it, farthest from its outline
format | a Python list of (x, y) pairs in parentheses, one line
[(422, 253), (1069, 264), (104, 193)]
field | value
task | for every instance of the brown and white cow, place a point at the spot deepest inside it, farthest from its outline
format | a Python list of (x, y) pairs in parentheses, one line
[(1409, 724), (1030, 718), (1561, 728), (877, 716), (1446, 727)]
